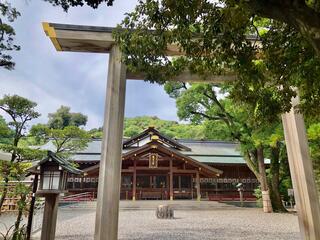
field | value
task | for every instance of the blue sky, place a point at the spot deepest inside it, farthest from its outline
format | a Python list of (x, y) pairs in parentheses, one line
[(77, 80)]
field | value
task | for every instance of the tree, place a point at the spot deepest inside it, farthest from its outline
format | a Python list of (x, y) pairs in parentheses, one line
[(66, 4), (63, 131), (303, 15), (314, 140), (173, 129), (199, 103), (221, 40), (63, 118), (21, 111), (66, 141), (6, 133), (7, 15)]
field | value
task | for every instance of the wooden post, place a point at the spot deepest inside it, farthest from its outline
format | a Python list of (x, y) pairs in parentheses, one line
[(191, 187), (305, 191), (106, 227), (171, 180), (198, 186), (32, 204), (134, 187), (50, 217)]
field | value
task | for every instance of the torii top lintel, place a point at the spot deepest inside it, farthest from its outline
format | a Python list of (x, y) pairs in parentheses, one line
[(94, 39)]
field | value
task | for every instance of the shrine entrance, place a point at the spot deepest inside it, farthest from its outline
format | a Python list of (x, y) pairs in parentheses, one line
[(155, 171)]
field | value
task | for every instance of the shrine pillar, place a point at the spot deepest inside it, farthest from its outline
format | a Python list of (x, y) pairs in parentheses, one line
[(171, 180), (198, 186), (134, 180), (305, 191), (106, 227)]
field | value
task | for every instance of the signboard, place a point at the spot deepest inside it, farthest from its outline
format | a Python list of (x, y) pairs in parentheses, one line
[(153, 160)]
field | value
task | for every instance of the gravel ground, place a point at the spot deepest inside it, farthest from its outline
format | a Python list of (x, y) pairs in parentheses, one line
[(244, 224)]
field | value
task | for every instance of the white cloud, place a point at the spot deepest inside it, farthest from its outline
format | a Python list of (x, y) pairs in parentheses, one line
[(77, 80)]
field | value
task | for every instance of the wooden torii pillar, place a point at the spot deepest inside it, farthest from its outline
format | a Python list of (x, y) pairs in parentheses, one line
[(77, 38)]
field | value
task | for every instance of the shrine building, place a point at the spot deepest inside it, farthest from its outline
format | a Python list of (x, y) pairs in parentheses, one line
[(155, 166)]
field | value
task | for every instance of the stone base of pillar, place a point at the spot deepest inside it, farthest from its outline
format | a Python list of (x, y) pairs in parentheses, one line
[(171, 198), (133, 198), (266, 202), (199, 198)]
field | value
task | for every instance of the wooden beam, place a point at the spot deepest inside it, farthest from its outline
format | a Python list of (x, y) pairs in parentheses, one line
[(184, 171), (107, 213), (154, 169), (127, 170), (301, 170), (78, 38), (190, 77)]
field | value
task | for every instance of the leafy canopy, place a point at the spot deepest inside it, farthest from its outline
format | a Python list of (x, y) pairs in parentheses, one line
[(63, 118), (7, 15), (173, 129), (66, 4), (268, 57), (63, 131), (21, 110)]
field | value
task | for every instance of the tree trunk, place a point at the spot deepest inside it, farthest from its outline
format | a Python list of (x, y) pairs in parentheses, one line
[(274, 180), (267, 207), (298, 14), (5, 191), (21, 204)]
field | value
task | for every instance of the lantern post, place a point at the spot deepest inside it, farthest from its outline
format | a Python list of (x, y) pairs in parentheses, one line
[(53, 171)]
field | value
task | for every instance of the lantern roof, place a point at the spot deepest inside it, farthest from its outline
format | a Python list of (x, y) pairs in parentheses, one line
[(63, 163)]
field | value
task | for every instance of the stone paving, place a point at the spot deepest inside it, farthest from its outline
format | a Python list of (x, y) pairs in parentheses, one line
[(224, 224)]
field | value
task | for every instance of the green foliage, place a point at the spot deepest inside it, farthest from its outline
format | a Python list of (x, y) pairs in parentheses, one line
[(63, 118), (96, 132), (21, 111), (134, 126), (314, 142), (6, 134), (63, 131), (223, 38), (66, 141), (10, 234), (66, 4), (7, 16), (258, 194)]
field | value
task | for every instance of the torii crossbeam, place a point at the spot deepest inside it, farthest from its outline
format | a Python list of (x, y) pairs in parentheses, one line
[(76, 38)]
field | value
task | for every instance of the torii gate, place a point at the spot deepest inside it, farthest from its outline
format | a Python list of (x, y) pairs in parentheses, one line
[(76, 38)]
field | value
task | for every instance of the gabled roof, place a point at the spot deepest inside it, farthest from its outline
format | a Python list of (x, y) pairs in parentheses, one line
[(65, 164), (151, 131), (155, 144)]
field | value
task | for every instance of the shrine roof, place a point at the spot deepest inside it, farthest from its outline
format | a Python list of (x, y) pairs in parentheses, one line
[(201, 150), (204, 151), (64, 163)]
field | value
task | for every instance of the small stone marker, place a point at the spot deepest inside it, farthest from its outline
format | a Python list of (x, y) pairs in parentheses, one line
[(164, 212)]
